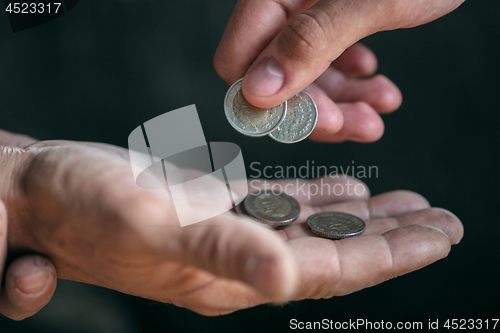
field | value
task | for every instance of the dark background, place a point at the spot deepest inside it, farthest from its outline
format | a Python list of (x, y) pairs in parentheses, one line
[(102, 69)]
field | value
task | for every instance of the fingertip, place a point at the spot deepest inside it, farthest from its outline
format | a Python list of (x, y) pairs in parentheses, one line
[(362, 193), (330, 118), (450, 224), (274, 277), (270, 265), (416, 246), (30, 283), (387, 97), (357, 60), (396, 203), (362, 123), (438, 242), (264, 79)]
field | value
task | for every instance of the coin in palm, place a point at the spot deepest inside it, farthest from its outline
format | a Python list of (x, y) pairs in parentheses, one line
[(336, 225), (274, 209)]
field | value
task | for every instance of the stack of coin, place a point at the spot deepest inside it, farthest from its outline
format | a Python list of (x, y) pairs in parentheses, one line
[(335, 225), (290, 122), (274, 209)]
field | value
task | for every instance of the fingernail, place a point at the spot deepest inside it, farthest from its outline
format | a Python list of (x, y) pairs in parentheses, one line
[(32, 278), (266, 78), (437, 229), (454, 216), (33, 284)]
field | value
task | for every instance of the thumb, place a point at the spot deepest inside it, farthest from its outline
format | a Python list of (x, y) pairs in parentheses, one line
[(309, 43), (29, 283), (238, 248), (305, 48)]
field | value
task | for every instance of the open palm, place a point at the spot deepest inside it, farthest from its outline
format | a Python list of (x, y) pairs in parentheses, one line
[(78, 204)]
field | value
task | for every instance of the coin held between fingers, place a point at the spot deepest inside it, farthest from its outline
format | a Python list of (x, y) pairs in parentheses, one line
[(290, 122), (248, 119), (300, 119)]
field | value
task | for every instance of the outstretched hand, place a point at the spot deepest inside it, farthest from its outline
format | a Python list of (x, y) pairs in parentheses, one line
[(78, 204)]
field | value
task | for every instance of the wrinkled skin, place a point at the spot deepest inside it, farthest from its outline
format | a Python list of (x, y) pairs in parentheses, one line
[(78, 205)]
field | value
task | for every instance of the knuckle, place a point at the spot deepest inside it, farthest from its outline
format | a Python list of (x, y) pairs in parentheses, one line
[(305, 37)]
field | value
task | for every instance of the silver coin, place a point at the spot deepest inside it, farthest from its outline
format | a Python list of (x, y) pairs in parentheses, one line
[(335, 225), (300, 120), (274, 209), (248, 119), (240, 209)]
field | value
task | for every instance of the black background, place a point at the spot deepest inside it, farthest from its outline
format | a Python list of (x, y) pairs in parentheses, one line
[(102, 69)]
